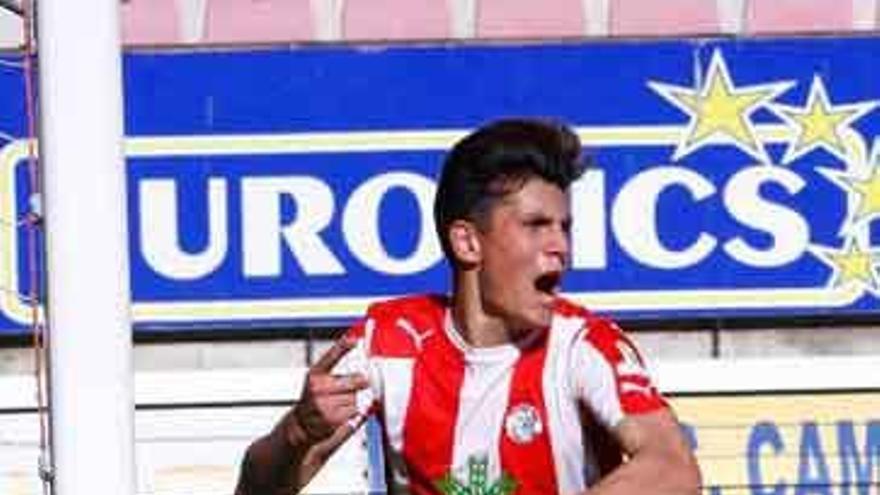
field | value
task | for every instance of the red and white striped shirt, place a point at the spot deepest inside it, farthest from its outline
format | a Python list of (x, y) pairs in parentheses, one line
[(513, 415)]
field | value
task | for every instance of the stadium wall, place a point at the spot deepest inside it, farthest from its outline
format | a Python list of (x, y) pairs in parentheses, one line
[(757, 426)]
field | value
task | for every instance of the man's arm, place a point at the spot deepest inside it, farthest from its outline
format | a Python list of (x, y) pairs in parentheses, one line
[(284, 460), (659, 462)]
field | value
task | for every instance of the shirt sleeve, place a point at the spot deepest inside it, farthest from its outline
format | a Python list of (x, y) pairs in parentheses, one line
[(609, 374)]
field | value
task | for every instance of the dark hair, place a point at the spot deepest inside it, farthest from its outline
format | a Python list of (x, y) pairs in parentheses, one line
[(497, 159)]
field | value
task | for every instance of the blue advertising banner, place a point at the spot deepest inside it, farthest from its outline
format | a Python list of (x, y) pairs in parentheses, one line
[(293, 186)]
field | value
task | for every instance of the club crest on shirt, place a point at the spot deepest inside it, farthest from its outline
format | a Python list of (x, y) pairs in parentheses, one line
[(475, 480), (523, 424)]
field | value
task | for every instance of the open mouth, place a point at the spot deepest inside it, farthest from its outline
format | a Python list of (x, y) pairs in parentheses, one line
[(548, 283)]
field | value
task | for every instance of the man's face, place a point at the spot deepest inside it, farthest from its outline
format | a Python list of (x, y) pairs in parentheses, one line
[(525, 247)]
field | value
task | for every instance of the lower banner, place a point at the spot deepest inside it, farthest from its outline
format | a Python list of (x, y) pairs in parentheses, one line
[(784, 443)]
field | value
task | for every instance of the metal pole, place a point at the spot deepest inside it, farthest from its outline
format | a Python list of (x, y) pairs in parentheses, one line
[(81, 150)]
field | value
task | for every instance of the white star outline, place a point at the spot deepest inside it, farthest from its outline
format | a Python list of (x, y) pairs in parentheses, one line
[(852, 246), (842, 130), (763, 95), (860, 166), (854, 228)]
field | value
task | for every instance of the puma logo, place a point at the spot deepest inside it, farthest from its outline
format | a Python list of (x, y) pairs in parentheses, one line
[(630, 363), (628, 386), (418, 338)]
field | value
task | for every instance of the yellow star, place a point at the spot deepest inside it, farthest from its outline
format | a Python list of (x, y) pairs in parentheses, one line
[(868, 193), (849, 265), (720, 112), (862, 184), (819, 123)]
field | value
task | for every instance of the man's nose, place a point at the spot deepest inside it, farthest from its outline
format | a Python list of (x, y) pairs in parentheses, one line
[(559, 244)]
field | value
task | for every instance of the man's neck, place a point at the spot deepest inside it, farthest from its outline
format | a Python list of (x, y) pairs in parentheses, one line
[(474, 323), (477, 328)]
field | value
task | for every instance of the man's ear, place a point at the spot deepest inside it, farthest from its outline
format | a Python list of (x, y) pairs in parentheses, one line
[(464, 242)]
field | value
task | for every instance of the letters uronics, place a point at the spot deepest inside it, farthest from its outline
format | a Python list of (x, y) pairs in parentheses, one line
[(630, 217)]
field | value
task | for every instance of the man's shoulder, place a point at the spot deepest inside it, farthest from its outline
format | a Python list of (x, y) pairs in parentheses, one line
[(419, 305), (594, 328), (600, 339), (399, 327), (570, 309)]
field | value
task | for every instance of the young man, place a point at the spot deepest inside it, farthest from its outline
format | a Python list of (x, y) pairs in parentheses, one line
[(503, 384)]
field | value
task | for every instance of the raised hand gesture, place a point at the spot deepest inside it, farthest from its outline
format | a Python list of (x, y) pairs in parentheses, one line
[(327, 406)]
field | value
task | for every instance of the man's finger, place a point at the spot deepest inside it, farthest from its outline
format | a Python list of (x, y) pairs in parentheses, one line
[(329, 359), (339, 384), (352, 382), (356, 421), (343, 413), (339, 435), (337, 409)]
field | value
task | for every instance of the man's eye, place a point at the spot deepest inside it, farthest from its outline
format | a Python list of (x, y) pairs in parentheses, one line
[(536, 223)]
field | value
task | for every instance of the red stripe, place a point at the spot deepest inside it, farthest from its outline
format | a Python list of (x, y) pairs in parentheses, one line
[(357, 330), (607, 338), (424, 314), (530, 463), (429, 428)]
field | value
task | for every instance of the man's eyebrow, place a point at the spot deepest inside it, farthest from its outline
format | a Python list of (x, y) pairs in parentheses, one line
[(544, 218), (536, 214), (538, 211)]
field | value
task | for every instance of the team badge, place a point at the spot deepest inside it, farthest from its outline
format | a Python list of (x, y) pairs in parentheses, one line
[(476, 481), (523, 424)]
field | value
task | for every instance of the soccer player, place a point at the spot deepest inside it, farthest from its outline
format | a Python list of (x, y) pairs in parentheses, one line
[(502, 386)]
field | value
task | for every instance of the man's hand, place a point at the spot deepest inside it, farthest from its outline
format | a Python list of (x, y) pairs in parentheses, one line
[(292, 453), (327, 406)]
